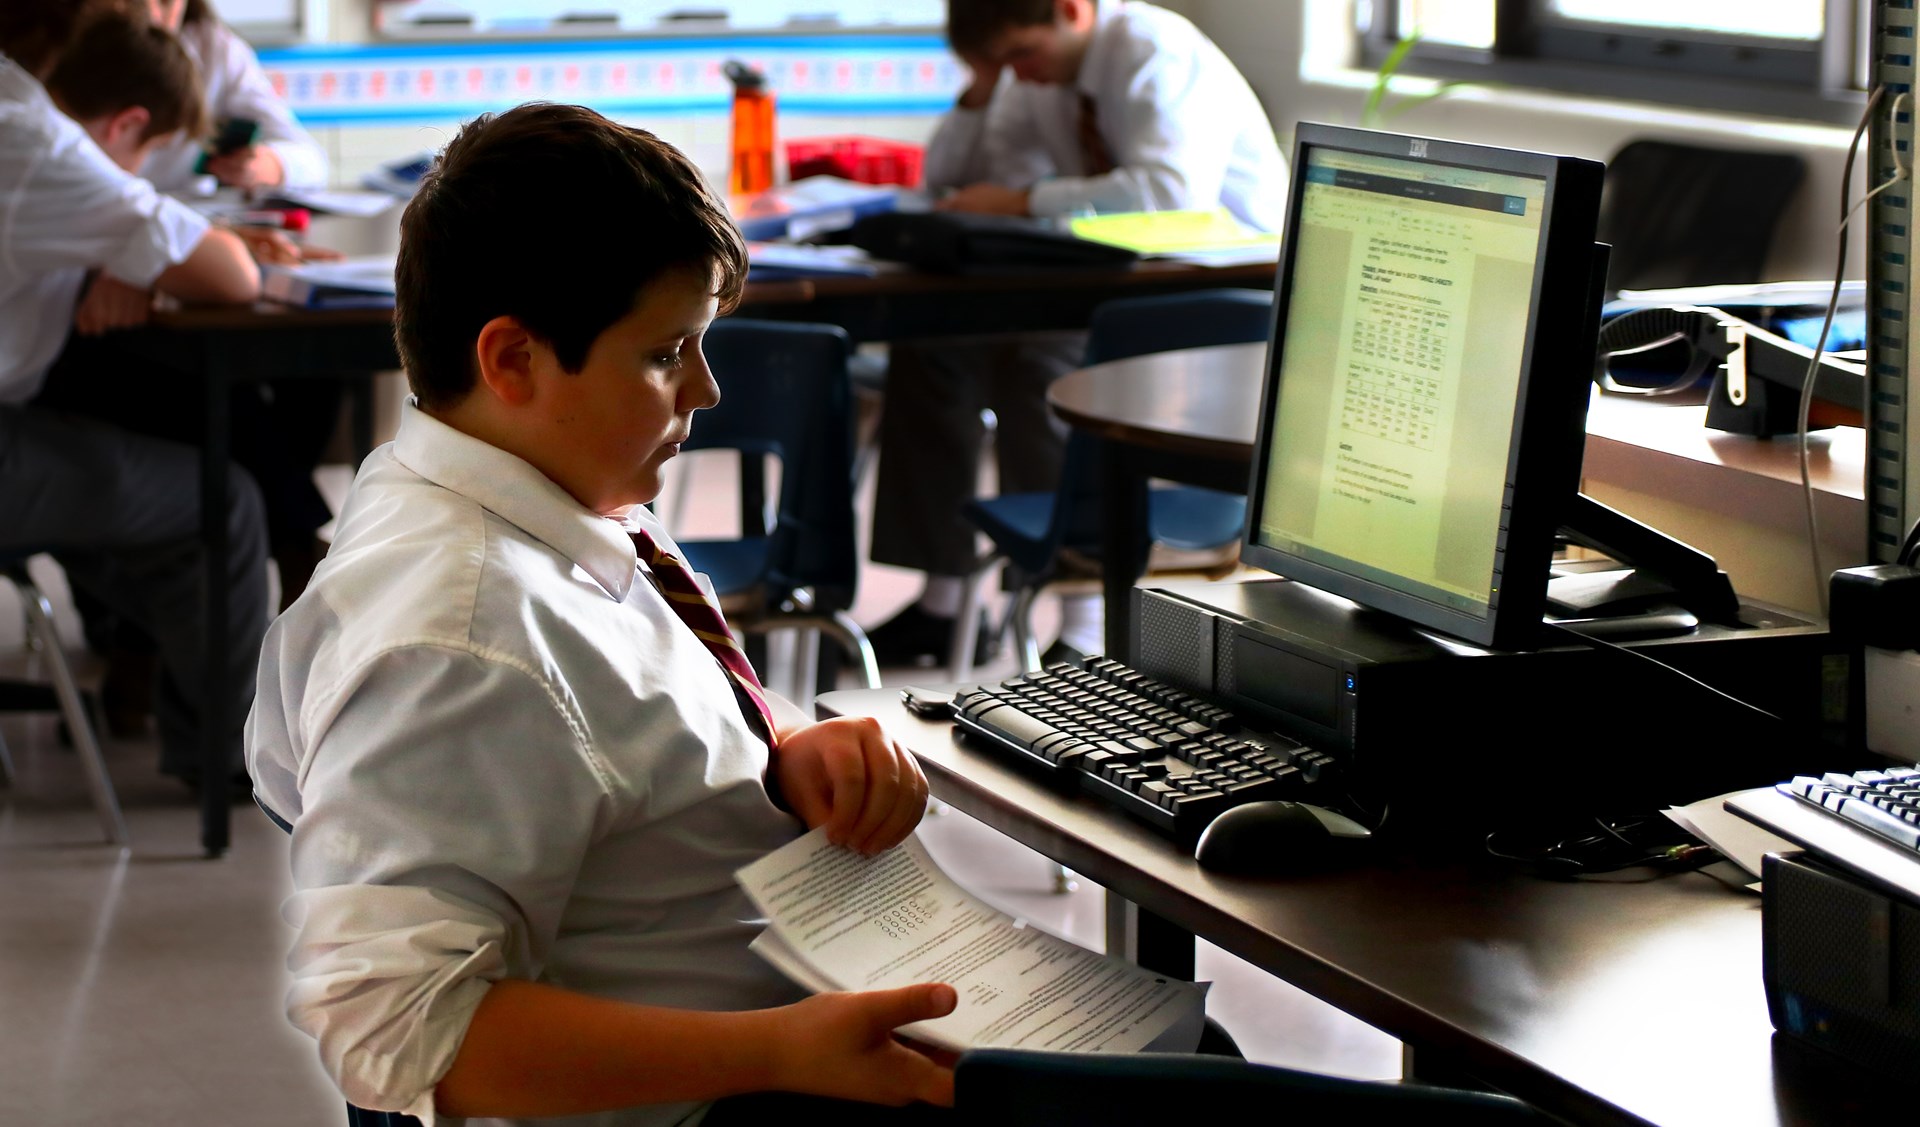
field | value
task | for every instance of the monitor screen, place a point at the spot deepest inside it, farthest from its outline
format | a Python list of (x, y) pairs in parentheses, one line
[(1423, 418)]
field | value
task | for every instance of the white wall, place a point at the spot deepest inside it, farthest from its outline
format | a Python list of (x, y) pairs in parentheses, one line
[(1274, 41)]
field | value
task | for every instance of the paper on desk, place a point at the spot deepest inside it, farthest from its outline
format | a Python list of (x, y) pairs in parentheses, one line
[(840, 921), (1735, 838), (337, 201)]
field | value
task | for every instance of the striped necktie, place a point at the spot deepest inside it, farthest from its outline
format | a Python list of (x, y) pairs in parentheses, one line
[(1095, 157), (675, 581)]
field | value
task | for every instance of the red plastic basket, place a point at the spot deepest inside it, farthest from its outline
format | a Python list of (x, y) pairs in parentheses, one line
[(864, 160)]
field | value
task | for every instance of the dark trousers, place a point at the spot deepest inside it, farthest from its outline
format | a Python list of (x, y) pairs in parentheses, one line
[(121, 514), (930, 435)]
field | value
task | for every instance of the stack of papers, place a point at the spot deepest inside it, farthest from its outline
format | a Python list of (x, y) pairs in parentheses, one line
[(841, 921), (772, 261)]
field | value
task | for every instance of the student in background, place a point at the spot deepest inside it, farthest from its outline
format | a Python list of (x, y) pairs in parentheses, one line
[(85, 245), (1074, 107), (282, 155), (519, 751)]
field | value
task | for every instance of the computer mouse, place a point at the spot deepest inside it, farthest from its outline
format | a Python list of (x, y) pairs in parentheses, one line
[(1260, 838)]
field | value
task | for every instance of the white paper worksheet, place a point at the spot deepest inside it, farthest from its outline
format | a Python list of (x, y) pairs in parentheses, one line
[(847, 922)]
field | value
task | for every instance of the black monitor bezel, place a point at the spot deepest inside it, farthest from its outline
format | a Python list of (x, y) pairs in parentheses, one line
[(1548, 432)]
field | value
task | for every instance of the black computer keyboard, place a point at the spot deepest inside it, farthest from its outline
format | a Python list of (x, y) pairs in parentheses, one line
[(1884, 803), (1139, 745)]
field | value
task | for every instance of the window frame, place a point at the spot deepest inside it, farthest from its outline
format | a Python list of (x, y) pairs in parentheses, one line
[(1533, 48)]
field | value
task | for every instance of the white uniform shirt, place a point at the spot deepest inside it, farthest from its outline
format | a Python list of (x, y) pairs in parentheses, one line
[(1183, 127), (502, 755), (236, 87), (65, 209)]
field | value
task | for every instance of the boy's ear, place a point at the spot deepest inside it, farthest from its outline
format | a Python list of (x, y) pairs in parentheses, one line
[(506, 355), (125, 128)]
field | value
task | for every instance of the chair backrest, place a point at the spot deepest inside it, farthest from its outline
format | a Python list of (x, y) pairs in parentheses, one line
[(1688, 215), (1136, 326), (1023, 1088), (784, 393)]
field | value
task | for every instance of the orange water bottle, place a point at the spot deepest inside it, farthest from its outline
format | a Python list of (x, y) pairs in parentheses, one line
[(752, 167)]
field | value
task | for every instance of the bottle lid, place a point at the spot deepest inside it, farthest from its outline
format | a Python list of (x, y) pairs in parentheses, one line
[(744, 77)]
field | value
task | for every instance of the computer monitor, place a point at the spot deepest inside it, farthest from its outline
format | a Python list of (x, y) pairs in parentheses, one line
[(1424, 414)]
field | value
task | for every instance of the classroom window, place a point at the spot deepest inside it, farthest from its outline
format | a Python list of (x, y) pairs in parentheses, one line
[(1787, 58)]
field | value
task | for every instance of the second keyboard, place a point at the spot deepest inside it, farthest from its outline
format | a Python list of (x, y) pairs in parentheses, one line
[(1139, 745)]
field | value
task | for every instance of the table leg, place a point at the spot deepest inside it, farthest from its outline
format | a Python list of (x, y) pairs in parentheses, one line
[(1148, 940), (1123, 515), (215, 809)]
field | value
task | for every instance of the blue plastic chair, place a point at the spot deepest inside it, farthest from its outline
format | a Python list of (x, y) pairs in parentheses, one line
[(1029, 530), (1024, 1088), (785, 394)]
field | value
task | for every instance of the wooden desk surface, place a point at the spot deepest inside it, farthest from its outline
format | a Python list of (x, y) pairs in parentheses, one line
[(1607, 1003)]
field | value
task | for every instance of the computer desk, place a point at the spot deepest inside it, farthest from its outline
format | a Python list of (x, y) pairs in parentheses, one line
[(227, 345), (1190, 416), (1597, 1002)]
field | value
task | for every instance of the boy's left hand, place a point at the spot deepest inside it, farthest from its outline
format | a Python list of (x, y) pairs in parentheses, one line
[(111, 304), (847, 775), (987, 199), (256, 166)]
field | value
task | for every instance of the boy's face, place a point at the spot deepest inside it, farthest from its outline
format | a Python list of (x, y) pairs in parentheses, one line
[(604, 433), (1048, 54)]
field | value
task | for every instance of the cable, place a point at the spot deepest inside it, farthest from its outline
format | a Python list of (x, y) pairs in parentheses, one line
[(1603, 644), (1641, 840), (1804, 425)]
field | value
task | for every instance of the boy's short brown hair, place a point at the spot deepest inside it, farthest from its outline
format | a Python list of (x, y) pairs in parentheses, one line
[(973, 25), (33, 33), (557, 217), (118, 61)]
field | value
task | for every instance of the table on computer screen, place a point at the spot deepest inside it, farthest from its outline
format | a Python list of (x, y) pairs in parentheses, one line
[(1597, 1002)]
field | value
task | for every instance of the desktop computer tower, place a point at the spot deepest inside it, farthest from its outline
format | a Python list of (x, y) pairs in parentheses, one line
[(1449, 737), (1841, 959)]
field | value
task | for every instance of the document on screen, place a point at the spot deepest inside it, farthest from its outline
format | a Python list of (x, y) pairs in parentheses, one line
[(841, 921)]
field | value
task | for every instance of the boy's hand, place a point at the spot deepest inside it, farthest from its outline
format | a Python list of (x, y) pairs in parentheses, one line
[(255, 166), (846, 775), (111, 304), (842, 1045), (987, 199)]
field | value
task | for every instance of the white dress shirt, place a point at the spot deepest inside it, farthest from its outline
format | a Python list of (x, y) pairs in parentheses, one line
[(503, 756), (236, 87), (1183, 127), (65, 209)]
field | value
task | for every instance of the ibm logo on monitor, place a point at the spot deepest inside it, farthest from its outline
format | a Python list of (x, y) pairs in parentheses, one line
[(1416, 147)]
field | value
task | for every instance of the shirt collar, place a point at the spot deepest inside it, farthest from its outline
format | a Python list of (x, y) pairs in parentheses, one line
[(516, 492), (1102, 43)]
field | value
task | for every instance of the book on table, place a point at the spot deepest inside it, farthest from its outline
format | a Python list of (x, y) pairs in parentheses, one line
[(350, 283)]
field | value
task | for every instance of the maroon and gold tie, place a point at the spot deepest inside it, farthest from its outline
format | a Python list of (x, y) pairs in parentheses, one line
[(675, 581)]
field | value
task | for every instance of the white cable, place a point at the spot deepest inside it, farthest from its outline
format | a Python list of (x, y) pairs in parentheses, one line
[(1900, 172)]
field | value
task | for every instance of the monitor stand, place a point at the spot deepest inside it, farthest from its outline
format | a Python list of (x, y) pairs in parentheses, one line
[(1664, 586)]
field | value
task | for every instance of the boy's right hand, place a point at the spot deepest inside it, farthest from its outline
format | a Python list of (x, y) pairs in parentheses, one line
[(842, 1045)]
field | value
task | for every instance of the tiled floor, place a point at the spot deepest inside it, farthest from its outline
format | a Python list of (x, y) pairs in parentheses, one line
[(143, 986)]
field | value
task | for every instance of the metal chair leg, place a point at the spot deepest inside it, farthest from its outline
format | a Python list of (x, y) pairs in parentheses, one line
[(6, 764), (105, 803), (966, 624), (854, 640), (1022, 617)]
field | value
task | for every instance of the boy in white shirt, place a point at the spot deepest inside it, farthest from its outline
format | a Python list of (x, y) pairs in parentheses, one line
[(1074, 107), (519, 752), (121, 513)]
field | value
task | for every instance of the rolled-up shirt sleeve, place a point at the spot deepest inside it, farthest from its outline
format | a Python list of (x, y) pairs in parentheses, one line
[(74, 207), (448, 798)]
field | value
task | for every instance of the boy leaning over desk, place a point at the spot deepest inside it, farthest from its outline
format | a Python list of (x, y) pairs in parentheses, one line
[(520, 755)]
